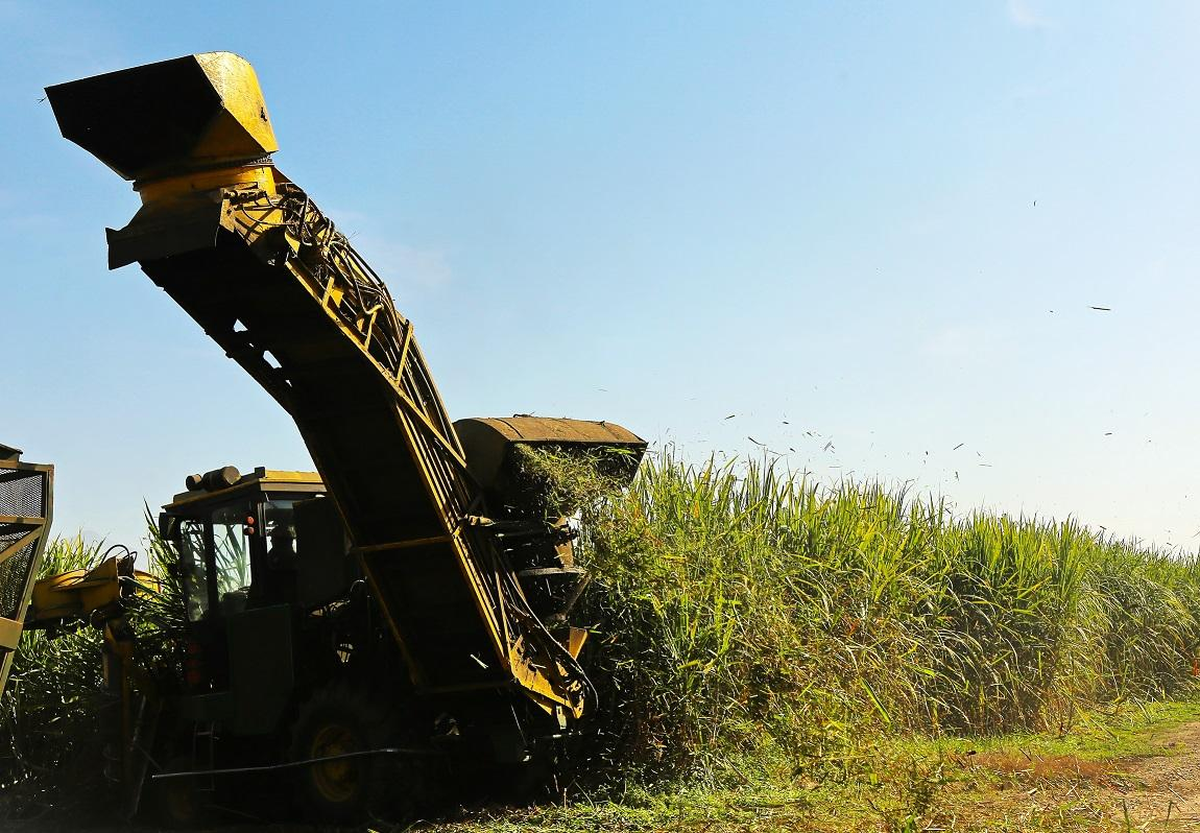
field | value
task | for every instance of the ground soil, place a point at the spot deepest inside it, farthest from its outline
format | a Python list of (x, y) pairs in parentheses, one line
[(995, 791), (1158, 791)]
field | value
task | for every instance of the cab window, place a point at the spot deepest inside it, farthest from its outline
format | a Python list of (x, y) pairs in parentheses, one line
[(231, 549), (194, 567)]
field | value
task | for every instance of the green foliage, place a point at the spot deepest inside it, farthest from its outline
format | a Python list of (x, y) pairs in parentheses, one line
[(157, 615), (56, 715), (742, 607), (50, 711), (752, 627)]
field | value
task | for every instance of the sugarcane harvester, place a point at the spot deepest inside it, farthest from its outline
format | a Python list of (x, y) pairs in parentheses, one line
[(411, 581)]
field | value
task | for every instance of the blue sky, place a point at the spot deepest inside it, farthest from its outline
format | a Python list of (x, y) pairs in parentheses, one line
[(873, 232)]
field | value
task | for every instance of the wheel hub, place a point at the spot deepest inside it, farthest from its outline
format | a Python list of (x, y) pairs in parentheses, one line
[(336, 781)]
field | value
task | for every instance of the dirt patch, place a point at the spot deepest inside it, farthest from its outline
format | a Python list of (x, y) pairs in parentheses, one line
[(1154, 792), (1166, 786), (1049, 768)]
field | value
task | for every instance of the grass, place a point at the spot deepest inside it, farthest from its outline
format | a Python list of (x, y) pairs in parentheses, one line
[(52, 708), (1028, 783), (56, 716), (750, 618), (1126, 730)]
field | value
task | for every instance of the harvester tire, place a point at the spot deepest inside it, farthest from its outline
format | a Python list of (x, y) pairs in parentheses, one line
[(340, 720), (179, 803)]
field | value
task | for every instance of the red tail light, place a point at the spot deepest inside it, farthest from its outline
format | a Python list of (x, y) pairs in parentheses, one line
[(193, 666)]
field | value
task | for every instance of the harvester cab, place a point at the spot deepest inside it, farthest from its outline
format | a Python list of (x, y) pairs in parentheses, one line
[(235, 539), (252, 555)]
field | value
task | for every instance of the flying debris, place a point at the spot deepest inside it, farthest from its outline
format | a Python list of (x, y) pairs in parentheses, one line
[(957, 447), (1101, 309)]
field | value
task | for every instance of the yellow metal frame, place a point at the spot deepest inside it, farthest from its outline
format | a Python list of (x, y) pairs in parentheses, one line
[(252, 212), (78, 594), (35, 530)]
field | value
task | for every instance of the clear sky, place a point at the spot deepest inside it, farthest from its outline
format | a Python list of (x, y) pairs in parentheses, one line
[(873, 232)]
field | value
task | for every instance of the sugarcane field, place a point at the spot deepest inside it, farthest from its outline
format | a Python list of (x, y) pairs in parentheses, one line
[(799, 439)]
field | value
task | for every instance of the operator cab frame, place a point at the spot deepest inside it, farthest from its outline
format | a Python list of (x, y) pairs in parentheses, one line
[(257, 557), (234, 537)]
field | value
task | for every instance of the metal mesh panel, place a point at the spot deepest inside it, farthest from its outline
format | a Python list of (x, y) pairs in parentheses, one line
[(25, 497), (13, 572), (9, 533), (21, 494)]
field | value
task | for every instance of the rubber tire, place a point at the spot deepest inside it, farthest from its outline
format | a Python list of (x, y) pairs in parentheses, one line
[(176, 803), (335, 720)]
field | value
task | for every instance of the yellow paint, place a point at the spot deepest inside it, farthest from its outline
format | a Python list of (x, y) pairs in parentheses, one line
[(234, 80), (78, 593), (261, 177), (272, 476)]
